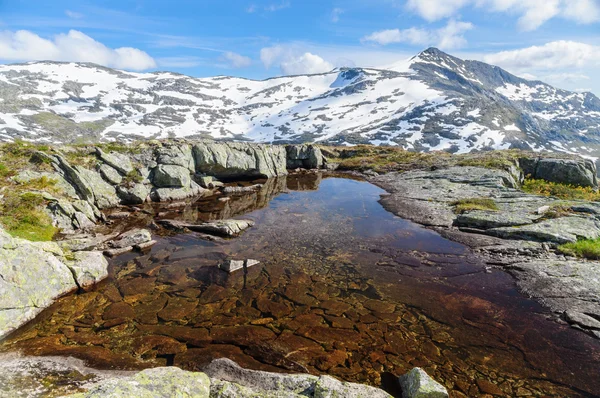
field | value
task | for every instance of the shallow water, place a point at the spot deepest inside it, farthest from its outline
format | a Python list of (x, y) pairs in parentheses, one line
[(343, 288)]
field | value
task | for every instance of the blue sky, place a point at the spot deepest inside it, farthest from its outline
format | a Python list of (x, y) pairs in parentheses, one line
[(557, 41)]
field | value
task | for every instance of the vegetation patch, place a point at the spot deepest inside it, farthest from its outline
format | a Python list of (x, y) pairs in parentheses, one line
[(22, 216), (383, 159), (464, 205), (562, 191), (490, 160), (587, 248)]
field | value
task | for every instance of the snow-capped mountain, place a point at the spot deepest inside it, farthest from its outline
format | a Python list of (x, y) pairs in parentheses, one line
[(433, 101)]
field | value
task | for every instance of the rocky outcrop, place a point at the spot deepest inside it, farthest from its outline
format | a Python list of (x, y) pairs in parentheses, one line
[(227, 228), (239, 160), (572, 171), (304, 156), (22, 263), (171, 176)]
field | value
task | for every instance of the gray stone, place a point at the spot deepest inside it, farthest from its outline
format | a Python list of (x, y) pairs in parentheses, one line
[(118, 161), (104, 195), (304, 156), (82, 222), (219, 227), (235, 265), (559, 230), (134, 195), (131, 238), (152, 383), (576, 171), (328, 387), (170, 176), (86, 242), (174, 194), (145, 245), (492, 219), (111, 175), (118, 251), (242, 190), (234, 160), (418, 384), (176, 155), (88, 268)]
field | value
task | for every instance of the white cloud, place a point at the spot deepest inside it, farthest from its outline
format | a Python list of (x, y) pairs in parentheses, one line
[(448, 37), (292, 61), (74, 46), (73, 14), (236, 60), (532, 13), (278, 6), (335, 14), (551, 56), (305, 64)]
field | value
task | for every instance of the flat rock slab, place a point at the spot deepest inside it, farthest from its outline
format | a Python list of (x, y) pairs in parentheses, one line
[(559, 230), (221, 227), (493, 219)]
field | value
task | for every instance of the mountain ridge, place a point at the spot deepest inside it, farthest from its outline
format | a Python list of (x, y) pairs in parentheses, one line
[(433, 101)]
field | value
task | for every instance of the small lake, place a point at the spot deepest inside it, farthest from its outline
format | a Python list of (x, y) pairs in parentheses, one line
[(343, 288)]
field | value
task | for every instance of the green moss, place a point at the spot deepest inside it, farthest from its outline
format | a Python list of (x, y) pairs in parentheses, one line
[(23, 216), (562, 191), (133, 176), (588, 248), (464, 205)]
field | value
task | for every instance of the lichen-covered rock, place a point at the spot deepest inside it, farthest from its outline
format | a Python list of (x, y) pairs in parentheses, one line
[(109, 174), (88, 268), (493, 219), (170, 176), (22, 263), (134, 195), (176, 155), (118, 161), (304, 156), (104, 195), (173, 194), (232, 160), (328, 387), (219, 227), (153, 383), (418, 384)]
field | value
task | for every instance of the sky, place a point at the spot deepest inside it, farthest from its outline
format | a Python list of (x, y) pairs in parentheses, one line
[(556, 41)]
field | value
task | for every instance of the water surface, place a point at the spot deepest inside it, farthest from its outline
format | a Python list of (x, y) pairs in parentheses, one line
[(343, 288)]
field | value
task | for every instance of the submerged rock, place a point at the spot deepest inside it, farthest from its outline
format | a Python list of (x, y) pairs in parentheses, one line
[(131, 238), (220, 227), (418, 384)]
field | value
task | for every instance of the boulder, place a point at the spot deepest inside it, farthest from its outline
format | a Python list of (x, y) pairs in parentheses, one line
[(304, 156), (493, 219), (173, 194), (157, 382), (239, 160), (134, 195), (131, 238), (104, 195), (220, 227), (22, 263), (171, 176), (328, 387), (575, 171), (118, 161), (110, 175), (176, 155), (418, 384), (88, 268)]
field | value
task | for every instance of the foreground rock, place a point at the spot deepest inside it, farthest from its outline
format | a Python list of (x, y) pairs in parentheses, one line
[(33, 275), (229, 228), (418, 384)]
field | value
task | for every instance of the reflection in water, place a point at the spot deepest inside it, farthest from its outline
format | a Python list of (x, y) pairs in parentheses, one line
[(343, 288)]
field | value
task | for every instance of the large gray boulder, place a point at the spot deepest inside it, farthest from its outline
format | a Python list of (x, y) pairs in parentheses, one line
[(104, 195), (110, 174), (176, 155), (34, 274), (304, 156), (576, 171), (234, 160), (418, 384), (133, 195), (173, 194), (171, 176)]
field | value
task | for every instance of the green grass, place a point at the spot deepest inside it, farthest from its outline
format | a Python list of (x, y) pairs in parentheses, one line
[(22, 216), (562, 191), (587, 248), (382, 159), (464, 205)]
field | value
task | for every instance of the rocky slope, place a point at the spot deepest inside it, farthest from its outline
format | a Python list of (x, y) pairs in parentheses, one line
[(431, 102)]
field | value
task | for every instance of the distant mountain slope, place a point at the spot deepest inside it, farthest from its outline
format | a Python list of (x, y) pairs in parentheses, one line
[(432, 102)]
